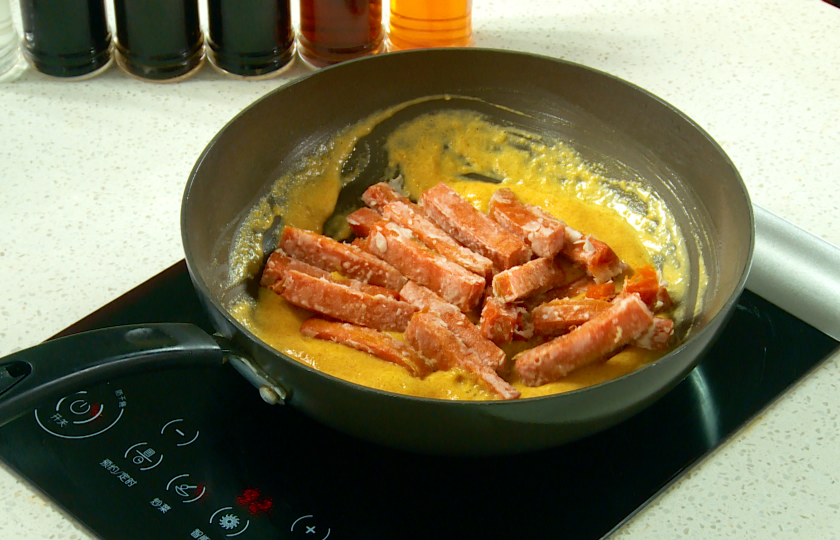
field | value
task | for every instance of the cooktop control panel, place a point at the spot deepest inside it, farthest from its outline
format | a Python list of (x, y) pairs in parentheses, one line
[(168, 457)]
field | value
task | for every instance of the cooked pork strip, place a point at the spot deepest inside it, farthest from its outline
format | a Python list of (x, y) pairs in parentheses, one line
[(279, 263), (346, 259), (373, 342), (398, 247), (543, 232), (436, 238), (625, 320), (524, 280), (430, 335), (362, 219), (426, 300), (599, 260), (345, 304), (474, 229)]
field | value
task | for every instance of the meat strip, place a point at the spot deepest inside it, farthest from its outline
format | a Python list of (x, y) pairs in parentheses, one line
[(544, 233), (425, 300), (625, 320), (599, 260), (657, 337), (429, 334), (378, 195), (568, 290), (453, 283), (373, 342), (332, 256), (436, 238), (276, 266), (499, 320), (476, 230), (524, 325), (559, 316), (529, 278), (279, 263), (663, 300), (345, 304), (362, 219)]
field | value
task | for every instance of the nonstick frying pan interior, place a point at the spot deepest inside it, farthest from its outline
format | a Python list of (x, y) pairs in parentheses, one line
[(628, 131)]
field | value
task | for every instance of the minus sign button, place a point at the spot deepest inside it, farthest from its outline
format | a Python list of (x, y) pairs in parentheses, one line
[(190, 434)]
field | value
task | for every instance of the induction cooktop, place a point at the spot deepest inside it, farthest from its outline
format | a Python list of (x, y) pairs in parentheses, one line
[(195, 453)]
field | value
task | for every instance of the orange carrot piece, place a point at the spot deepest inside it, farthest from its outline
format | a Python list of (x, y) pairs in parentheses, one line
[(601, 291), (645, 283)]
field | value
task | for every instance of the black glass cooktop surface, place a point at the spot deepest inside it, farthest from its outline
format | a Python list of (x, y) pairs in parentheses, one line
[(196, 454)]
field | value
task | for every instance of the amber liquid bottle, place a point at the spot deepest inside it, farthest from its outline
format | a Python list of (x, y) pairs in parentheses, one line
[(332, 31), (415, 24)]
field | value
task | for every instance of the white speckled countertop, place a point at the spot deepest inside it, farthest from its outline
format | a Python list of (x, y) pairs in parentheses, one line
[(91, 171)]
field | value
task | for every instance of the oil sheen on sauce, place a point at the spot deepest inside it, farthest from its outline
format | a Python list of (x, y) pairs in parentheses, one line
[(444, 147)]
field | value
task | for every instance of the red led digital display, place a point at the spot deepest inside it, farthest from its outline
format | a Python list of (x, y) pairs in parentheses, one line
[(253, 500)]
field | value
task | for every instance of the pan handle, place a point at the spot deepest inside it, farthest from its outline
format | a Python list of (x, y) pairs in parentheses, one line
[(52, 369)]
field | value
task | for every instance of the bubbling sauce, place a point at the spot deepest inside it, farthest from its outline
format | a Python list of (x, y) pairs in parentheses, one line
[(453, 146)]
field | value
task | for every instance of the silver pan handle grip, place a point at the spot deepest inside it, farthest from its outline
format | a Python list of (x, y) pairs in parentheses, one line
[(797, 271), (55, 367)]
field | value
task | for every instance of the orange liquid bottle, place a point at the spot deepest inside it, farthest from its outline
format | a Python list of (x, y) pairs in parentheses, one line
[(332, 31), (430, 23)]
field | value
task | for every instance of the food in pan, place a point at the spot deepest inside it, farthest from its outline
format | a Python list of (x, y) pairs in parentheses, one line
[(457, 288), (528, 255)]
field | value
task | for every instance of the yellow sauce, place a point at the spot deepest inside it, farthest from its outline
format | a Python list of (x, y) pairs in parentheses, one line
[(443, 147)]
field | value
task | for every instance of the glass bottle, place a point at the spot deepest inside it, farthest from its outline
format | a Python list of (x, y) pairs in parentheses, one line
[(332, 31), (9, 51), (416, 24), (66, 38), (158, 40), (250, 38)]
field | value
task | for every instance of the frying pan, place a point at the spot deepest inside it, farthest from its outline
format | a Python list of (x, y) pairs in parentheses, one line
[(630, 132)]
